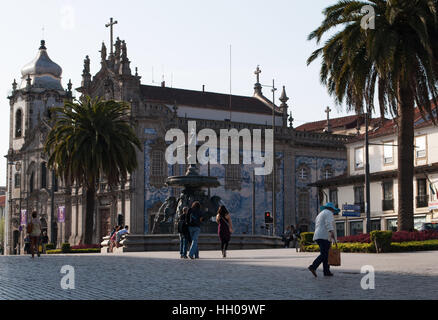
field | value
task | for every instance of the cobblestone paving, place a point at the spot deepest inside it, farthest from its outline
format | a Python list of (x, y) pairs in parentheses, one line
[(250, 274)]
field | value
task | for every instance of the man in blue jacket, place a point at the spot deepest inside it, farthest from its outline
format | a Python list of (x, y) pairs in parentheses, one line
[(194, 220)]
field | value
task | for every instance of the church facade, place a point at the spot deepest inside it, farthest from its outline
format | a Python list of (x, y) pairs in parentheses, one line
[(301, 157)]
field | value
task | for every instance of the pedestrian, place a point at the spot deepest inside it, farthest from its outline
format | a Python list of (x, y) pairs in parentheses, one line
[(194, 220), (324, 234), (119, 235), (112, 240), (295, 236), (26, 245), (44, 241), (225, 228), (184, 234), (287, 237), (34, 230)]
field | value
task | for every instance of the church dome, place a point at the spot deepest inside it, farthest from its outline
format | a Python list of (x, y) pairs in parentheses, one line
[(43, 72)]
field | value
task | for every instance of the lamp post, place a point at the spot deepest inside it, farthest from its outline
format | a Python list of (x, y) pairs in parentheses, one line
[(367, 176)]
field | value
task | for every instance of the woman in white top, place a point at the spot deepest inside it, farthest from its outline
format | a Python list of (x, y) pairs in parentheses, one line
[(34, 234)]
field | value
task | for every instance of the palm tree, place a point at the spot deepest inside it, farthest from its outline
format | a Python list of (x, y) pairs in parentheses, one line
[(398, 59), (90, 139)]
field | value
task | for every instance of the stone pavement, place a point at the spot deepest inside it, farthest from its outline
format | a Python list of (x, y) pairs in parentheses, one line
[(276, 274)]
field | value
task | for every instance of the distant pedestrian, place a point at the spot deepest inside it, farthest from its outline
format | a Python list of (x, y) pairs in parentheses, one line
[(44, 241), (194, 220), (119, 235), (34, 230), (26, 245), (295, 237), (225, 228), (287, 237), (184, 234), (324, 233), (112, 241)]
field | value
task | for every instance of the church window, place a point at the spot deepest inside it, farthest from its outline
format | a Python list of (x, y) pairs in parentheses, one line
[(233, 176), (157, 168), (303, 204), (18, 123), (31, 182), (17, 180), (303, 173), (268, 181), (327, 172), (43, 175)]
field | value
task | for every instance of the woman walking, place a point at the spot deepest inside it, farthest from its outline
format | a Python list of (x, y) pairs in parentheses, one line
[(225, 228), (34, 230), (184, 235)]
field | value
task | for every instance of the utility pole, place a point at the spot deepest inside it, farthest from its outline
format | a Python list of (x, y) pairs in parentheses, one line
[(253, 202), (52, 209), (367, 175)]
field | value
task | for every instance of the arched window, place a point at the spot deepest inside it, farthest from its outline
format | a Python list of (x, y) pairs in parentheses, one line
[(233, 176), (303, 203), (31, 182), (43, 175), (18, 123), (157, 168)]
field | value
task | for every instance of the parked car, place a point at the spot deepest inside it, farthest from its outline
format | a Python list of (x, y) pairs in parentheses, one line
[(429, 226)]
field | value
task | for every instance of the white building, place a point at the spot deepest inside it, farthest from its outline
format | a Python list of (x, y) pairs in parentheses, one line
[(350, 187)]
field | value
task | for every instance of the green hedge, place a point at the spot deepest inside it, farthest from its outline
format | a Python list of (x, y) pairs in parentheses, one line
[(306, 238), (65, 247), (59, 251), (381, 240), (370, 247), (50, 246)]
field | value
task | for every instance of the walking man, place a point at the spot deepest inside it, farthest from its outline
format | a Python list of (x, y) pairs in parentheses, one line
[(324, 233)]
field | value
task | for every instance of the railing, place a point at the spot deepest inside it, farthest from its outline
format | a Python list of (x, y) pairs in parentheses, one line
[(388, 205), (422, 201)]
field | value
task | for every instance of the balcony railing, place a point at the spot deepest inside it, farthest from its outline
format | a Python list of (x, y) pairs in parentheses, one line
[(388, 205), (422, 201)]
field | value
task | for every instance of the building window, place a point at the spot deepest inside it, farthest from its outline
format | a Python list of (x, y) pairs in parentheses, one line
[(340, 229), (233, 176), (358, 158), (18, 123), (158, 174), (388, 200), (388, 152), (303, 173), (418, 221), (303, 204), (333, 197), (422, 197), (356, 228), (359, 198), (17, 180), (375, 225), (420, 147), (391, 225), (327, 172), (43, 175), (268, 181)]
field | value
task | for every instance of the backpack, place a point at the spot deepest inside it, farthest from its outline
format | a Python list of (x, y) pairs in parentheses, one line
[(182, 224)]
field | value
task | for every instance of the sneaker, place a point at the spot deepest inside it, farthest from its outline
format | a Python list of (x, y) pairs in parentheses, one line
[(328, 274), (313, 271), (185, 257), (225, 253), (191, 257)]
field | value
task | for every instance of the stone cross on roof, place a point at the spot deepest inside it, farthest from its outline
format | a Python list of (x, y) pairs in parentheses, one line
[(110, 25), (257, 73), (328, 128)]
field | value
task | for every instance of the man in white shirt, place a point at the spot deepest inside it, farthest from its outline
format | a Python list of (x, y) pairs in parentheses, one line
[(324, 233)]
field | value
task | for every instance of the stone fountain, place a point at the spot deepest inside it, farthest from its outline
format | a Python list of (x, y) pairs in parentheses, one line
[(194, 186)]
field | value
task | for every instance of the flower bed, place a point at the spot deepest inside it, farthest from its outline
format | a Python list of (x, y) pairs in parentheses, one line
[(406, 246), (89, 250)]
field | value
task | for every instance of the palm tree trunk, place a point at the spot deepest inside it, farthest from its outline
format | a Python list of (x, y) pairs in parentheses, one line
[(89, 215), (406, 160)]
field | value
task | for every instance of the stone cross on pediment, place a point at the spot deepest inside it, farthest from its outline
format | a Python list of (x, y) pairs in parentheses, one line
[(111, 25), (257, 73), (328, 127)]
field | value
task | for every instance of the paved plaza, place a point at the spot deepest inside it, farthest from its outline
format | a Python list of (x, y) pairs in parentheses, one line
[(278, 274)]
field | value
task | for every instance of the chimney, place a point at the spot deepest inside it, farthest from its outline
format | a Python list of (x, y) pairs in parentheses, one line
[(203, 88), (163, 84)]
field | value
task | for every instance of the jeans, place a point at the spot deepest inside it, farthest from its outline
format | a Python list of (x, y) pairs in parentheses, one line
[(194, 234), (324, 246), (183, 244)]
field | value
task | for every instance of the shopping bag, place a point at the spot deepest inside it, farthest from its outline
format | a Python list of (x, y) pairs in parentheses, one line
[(334, 256)]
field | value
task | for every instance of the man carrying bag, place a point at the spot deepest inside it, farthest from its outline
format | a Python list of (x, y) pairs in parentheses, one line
[(324, 233)]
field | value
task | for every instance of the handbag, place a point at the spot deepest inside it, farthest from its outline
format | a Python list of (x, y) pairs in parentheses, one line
[(29, 228), (334, 256)]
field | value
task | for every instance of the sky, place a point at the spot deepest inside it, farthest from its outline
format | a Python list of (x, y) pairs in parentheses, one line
[(186, 43)]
